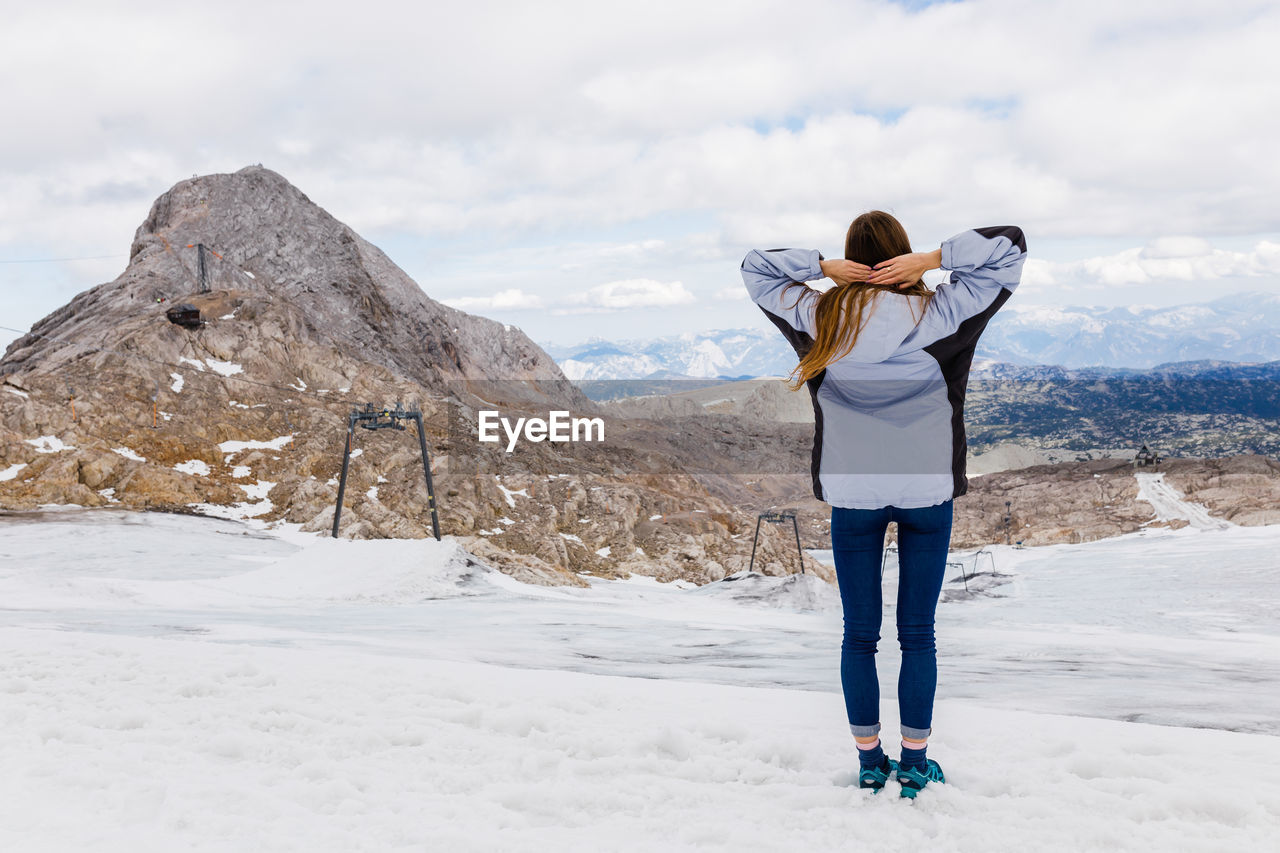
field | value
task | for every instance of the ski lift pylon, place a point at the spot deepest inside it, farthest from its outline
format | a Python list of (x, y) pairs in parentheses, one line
[(372, 417), (777, 517)]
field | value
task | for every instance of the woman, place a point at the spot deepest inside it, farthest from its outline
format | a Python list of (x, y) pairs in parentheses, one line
[(886, 361)]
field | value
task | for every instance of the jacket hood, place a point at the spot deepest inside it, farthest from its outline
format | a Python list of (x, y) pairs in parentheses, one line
[(893, 317)]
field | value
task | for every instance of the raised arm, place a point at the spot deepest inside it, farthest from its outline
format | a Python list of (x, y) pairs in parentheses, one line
[(767, 274), (983, 262)]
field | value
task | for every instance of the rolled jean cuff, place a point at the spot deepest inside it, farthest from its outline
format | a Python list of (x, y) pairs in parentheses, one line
[(864, 731), (916, 734)]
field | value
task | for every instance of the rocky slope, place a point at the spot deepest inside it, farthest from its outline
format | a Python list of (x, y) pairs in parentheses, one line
[(106, 402)]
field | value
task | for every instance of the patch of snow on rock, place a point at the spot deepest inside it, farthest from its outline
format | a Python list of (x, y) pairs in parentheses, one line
[(259, 503), (225, 368), (12, 471), (48, 444), (510, 494), (277, 443), (260, 490), (195, 467)]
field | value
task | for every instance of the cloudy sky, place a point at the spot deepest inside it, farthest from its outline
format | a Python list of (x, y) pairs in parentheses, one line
[(587, 168)]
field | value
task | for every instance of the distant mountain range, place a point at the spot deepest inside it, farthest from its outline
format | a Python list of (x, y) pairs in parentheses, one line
[(1235, 328)]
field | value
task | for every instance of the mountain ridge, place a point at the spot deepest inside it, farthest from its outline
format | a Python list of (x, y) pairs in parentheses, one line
[(1241, 328)]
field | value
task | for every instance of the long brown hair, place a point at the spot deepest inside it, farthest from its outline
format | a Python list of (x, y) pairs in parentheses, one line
[(873, 237)]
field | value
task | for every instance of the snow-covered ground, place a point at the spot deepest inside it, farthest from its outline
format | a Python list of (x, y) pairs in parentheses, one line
[(1169, 503), (172, 682)]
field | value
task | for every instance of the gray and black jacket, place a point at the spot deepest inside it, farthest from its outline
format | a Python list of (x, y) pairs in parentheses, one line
[(889, 415)]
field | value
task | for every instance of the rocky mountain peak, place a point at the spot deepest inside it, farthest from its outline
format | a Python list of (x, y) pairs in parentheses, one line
[(271, 254)]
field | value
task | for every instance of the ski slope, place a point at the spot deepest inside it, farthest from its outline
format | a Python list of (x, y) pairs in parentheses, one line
[(182, 683), (1170, 504)]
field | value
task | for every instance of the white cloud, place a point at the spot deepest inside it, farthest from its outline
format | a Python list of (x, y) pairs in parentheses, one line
[(630, 293), (513, 299), (1267, 256), (1037, 273), (1099, 127), (570, 123), (608, 297), (1164, 259), (1176, 247)]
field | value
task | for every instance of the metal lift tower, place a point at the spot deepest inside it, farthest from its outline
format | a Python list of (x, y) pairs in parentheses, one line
[(371, 418)]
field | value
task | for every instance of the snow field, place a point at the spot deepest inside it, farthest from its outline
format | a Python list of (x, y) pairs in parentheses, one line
[(134, 743), (189, 683)]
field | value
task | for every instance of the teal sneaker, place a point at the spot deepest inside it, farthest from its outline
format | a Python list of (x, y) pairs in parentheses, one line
[(913, 778), (875, 777)]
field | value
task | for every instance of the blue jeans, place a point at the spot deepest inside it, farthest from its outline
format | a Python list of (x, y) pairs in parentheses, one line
[(857, 540)]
